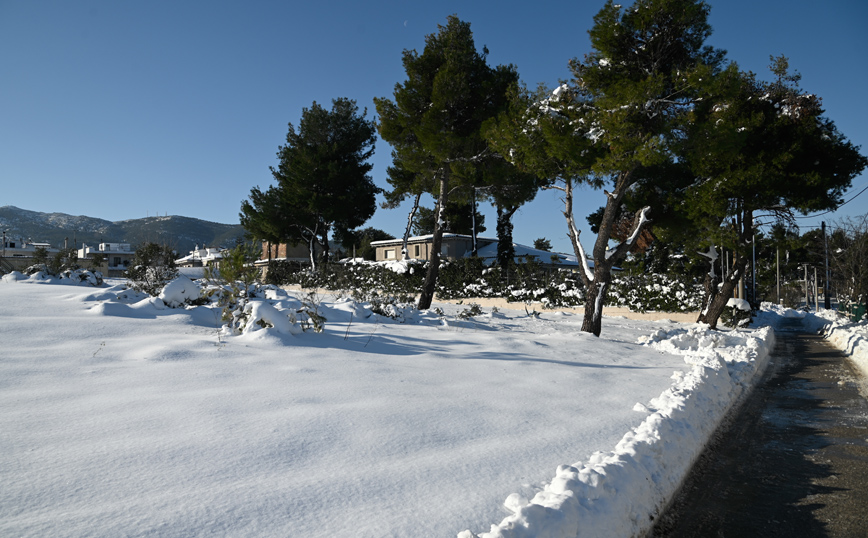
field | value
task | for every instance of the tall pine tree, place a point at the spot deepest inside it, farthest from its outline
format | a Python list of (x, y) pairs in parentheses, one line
[(761, 147), (322, 180), (434, 124)]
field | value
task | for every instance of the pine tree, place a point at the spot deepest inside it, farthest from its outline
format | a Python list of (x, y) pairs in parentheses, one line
[(761, 147), (322, 180), (434, 124), (619, 117)]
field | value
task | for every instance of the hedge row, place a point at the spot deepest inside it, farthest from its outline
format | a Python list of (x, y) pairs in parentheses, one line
[(470, 278)]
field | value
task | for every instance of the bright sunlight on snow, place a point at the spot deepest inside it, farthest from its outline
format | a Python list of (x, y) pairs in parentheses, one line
[(122, 416)]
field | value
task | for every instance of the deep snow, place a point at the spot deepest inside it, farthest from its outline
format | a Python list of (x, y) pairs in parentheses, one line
[(120, 416)]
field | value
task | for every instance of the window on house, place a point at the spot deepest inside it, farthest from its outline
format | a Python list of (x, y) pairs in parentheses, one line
[(117, 261), (417, 250), (390, 254), (444, 250)]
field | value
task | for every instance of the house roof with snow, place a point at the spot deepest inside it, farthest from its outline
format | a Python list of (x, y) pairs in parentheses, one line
[(201, 256), (524, 252)]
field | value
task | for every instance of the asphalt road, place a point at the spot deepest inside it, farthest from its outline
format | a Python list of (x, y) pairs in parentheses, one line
[(793, 461)]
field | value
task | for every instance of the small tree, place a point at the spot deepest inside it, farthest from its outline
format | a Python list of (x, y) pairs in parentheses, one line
[(40, 258), (542, 244), (361, 240), (97, 260), (153, 267)]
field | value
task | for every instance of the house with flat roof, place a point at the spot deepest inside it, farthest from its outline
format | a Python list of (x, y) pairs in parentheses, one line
[(118, 257), (457, 246)]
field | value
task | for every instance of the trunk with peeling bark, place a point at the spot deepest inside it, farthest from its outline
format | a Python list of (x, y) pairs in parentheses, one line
[(430, 284)]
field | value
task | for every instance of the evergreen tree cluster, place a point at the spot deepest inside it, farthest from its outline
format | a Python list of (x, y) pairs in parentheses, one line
[(688, 149)]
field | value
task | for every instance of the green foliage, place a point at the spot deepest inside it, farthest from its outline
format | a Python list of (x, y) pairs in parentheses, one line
[(63, 260), (542, 244), (323, 180), (97, 260), (458, 219), (231, 283), (66, 259), (40, 256), (435, 124), (236, 265), (361, 240), (735, 317), (153, 267), (472, 310), (526, 282)]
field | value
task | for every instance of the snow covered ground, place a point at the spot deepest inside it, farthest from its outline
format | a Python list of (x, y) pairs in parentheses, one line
[(122, 417)]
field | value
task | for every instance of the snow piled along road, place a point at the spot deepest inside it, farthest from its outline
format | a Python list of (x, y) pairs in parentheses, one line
[(120, 416)]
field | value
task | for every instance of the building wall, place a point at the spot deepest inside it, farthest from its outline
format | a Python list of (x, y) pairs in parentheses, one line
[(452, 249), (285, 251)]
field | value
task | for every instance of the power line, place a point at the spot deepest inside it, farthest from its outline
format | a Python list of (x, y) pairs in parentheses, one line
[(836, 209)]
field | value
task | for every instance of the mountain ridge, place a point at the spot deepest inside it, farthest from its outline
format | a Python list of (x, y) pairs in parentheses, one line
[(180, 232)]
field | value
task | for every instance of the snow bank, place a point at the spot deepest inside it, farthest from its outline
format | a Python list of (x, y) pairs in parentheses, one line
[(620, 493), (849, 337), (68, 276)]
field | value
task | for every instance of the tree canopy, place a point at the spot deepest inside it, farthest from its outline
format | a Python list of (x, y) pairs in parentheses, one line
[(761, 148), (434, 125), (322, 180)]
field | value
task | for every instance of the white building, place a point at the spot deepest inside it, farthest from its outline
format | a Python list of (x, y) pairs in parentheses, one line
[(201, 257), (117, 255)]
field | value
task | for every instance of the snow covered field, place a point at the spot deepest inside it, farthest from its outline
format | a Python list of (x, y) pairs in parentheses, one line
[(121, 417)]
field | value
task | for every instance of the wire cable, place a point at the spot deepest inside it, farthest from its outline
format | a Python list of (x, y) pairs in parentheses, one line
[(836, 209)]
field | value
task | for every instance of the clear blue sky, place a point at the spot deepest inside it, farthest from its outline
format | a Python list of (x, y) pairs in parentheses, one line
[(120, 110)]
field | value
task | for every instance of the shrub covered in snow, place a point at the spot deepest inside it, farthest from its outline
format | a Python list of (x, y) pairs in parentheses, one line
[(469, 278), (153, 267), (179, 292)]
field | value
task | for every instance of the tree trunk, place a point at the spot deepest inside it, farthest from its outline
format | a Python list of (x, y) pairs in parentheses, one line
[(324, 242), (430, 284), (711, 314), (597, 283), (595, 297), (505, 248), (312, 252), (474, 251), (716, 305), (404, 253)]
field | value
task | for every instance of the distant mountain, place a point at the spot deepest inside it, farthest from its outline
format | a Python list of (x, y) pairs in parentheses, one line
[(181, 233)]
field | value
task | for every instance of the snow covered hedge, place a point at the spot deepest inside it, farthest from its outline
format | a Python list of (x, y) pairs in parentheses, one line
[(470, 278)]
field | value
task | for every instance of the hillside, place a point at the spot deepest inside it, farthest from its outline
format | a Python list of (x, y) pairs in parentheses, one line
[(182, 233)]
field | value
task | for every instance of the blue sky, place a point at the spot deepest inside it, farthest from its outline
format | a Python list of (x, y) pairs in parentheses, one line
[(121, 110)]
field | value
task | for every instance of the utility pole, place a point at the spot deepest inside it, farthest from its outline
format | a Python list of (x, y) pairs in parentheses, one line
[(806, 287), (816, 292), (753, 270), (827, 299)]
